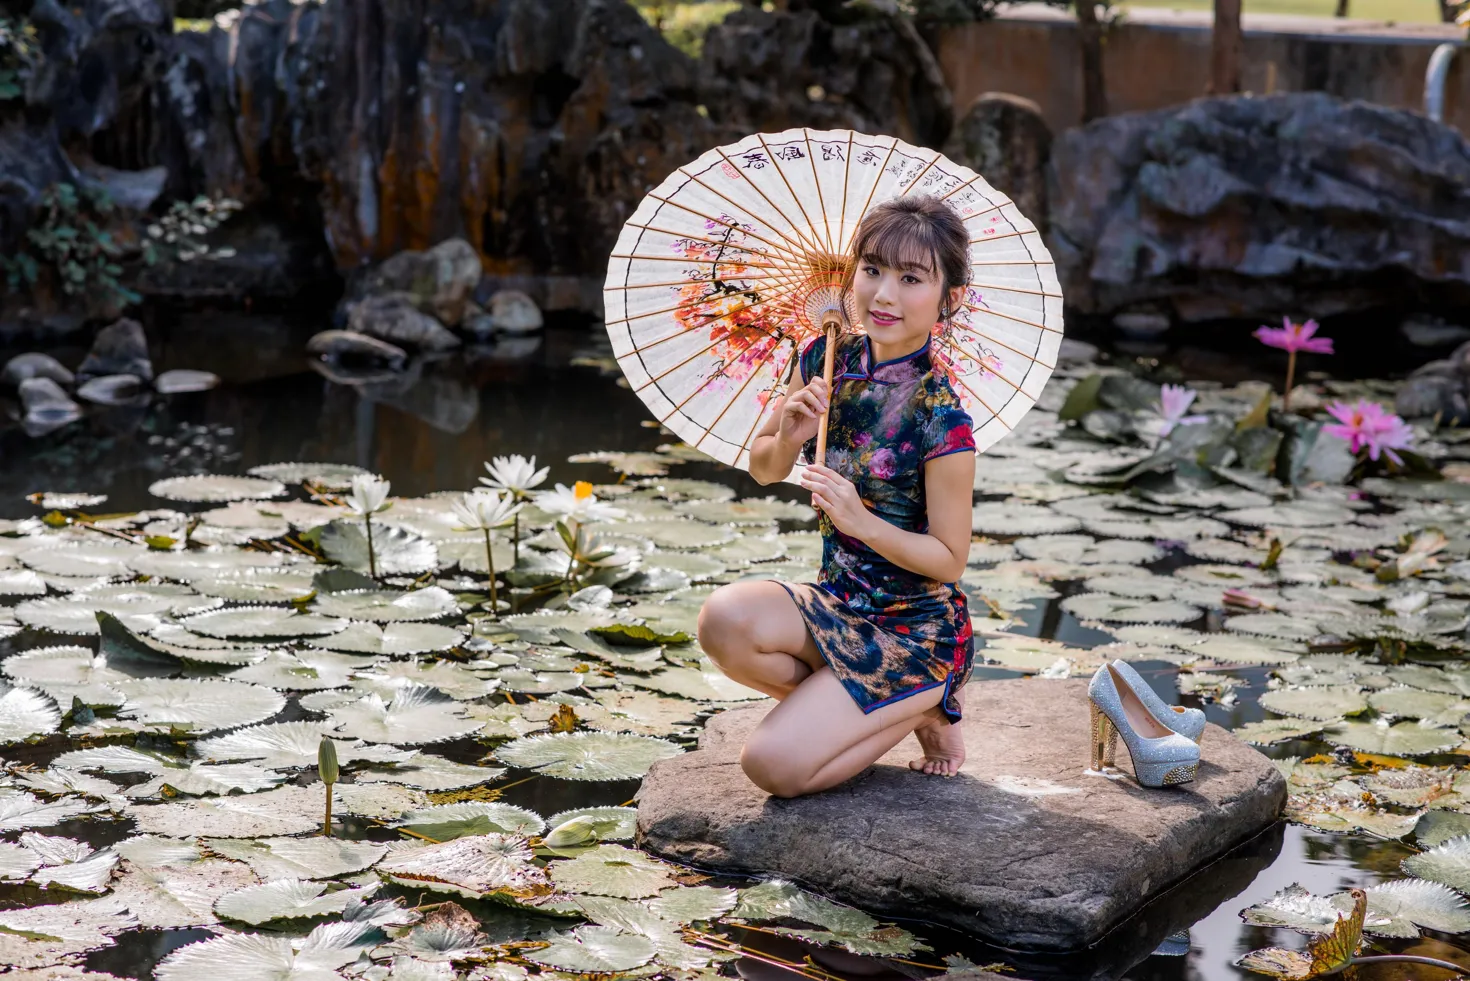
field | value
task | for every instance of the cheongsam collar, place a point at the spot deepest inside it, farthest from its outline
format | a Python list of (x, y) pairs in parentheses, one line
[(891, 371)]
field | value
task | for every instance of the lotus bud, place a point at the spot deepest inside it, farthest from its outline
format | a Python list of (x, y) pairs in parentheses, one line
[(577, 831), (326, 761)]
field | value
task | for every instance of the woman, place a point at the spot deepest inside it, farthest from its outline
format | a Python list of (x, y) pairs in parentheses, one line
[(881, 645)]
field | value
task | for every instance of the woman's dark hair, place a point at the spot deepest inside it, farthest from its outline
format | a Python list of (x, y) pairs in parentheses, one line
[(915, 231)]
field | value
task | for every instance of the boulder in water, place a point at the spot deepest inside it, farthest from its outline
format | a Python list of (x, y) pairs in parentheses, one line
[(1439, 388), (183, 380), (349, 349), (119, 349), (513, 312), (394, 317), (113, 390), (46, 406), (35, 365), (1022, 848), (438, 281)]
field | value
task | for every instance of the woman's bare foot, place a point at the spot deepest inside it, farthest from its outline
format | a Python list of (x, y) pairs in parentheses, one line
[(943, 746)]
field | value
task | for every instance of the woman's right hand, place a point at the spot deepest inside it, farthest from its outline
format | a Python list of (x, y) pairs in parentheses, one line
[(801, 412)]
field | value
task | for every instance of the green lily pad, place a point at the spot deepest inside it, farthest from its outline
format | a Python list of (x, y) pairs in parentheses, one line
[(587, 755)]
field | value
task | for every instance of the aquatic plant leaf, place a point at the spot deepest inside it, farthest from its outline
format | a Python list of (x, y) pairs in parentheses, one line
[(706, 683), (693, 904), (638, 634), (288, 810), (1122, 609), (747, 511), (265, 587), (608, 823), (396, 551), (1000, 518), (154, 852), (203, 706), (612, 870), (21, 582), (595, 949), (378, 801), (1447, 680), (445, 822), (92, 873), (1401, 739), (179, 895), (195, 564), (1437, 827), (1275, 625), (1295, 908), (256, 622), (328, 476), (25, 712), (258, 957), (66, 928), (215, 488), (300, 671), (1278, 962), (285, 899), (1447, 863), (19, 809), (449, 933), (139, 607), (476, 866), (1326, 703), (778, 900), (80, 559), (292, 745), (416, 714), (1429, 904), (301, 858), (587, 755), (432, 773), (639, 712), (17, 862), (1338, 815), (1436, 708), (428, 603), (393, 639)]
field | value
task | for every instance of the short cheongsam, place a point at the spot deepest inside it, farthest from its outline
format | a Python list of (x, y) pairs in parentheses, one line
[(886, 632)]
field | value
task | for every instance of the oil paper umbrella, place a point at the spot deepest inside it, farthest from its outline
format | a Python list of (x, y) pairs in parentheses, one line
[(736, 260)]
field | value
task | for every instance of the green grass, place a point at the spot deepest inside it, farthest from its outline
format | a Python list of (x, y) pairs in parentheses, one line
[(685, 24), (1400, 11)]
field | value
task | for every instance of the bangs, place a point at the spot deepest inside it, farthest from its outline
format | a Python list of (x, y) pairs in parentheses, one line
[(900, 241)]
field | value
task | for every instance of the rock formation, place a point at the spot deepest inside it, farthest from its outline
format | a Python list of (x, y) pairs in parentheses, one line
[(1439, 389), (1248, 207), (1005, 139)]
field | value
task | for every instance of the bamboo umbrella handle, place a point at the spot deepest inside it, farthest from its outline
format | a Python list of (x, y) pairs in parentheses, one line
[(831, 324)]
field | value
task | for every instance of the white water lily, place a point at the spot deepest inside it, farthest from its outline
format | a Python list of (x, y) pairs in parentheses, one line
[(515, 474), (588, 552), (369, 495), (576, 502), (483, 510)]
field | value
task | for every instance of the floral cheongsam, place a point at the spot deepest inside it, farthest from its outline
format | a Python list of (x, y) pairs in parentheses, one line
[(887, 633)]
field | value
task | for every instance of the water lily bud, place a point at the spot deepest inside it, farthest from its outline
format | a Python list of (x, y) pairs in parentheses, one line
[(577, 831), (326, 761)]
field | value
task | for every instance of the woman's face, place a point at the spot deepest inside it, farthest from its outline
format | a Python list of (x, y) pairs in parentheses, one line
[(899, 307)]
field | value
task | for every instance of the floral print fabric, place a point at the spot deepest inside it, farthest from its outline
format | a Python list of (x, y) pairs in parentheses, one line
[(886, 632)]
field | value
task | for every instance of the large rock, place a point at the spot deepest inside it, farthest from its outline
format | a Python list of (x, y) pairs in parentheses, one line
[(1440, 388), (46, 406), (396, 318), (118, 349), (350, 350), (1021, 849), (35, 365), (1005, 139), (440, 280), (1251, 207)]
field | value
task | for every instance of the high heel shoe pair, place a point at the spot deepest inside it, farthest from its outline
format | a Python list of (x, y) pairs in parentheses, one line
[(1162, 739)]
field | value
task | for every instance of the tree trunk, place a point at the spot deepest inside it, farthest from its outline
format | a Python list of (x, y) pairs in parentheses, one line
[(1094, 86), (1448, 10), (1342, 9), (1225, 43)]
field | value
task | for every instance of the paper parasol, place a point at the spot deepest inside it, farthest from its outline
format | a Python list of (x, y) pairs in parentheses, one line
[(723, 273)]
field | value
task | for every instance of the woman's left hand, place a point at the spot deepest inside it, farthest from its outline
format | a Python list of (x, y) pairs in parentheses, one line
[(838, 497)]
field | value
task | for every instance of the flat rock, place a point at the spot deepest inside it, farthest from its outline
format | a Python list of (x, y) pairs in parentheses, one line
[(1022, 849), (119, 349), (34, 365)]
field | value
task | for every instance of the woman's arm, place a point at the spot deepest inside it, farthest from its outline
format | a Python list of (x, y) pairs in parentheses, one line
[(942, 551), (778, 443)]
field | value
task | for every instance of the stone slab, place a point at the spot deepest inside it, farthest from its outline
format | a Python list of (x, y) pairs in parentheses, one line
[(1021, 849)]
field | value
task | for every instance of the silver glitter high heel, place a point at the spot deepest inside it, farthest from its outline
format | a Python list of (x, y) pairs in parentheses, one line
[(1188, 722), (1161, 757)]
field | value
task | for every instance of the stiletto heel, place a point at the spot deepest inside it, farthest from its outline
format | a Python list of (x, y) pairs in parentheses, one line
[(1188, 722), (1161, 757), (1104, 742)]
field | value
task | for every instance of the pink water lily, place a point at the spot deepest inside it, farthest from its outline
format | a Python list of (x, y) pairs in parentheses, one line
[(1292, 338), (1369, 426), (1174, 401)]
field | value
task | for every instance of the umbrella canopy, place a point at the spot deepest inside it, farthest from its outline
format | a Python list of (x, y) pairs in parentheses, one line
[(719, 278)]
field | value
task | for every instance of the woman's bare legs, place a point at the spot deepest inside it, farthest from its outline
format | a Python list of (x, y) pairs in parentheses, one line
[(817, 737)]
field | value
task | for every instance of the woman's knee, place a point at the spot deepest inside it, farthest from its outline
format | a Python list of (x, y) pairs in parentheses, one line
[(724, 622), (770, 767)]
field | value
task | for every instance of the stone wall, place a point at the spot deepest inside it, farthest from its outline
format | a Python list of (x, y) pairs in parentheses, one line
[(1158, 58)]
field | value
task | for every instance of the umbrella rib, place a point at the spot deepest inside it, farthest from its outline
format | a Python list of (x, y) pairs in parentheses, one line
[(735, 278), (712, 320), (736, 204), (806, 243), (1013, 262), (811, 158), (685, 259), (966, 184), (846, 176), (760, 416), (993, 413), (731, 224), (1016, 289), (1029, 357), (988, 368), (697, 354), (879, 179), (709, 430), (915, 182), (697, 238), (789, 190), (693, 303), (1019, 320), (997, 238)]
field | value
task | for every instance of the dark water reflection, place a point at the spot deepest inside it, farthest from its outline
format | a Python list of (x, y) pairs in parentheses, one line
[(434, 433)]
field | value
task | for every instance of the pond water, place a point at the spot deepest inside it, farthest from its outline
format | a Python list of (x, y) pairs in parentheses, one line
[(556, 396)]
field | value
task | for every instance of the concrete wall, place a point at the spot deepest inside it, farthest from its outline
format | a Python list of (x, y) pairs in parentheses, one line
[(1156, 58)]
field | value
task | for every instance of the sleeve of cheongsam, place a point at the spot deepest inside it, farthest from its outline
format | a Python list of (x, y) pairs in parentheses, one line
[(810, 361), (947, 427)]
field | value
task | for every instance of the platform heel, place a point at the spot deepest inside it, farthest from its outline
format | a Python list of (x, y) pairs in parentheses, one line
[(1104, 743), (1188, 722), (1161, 757)]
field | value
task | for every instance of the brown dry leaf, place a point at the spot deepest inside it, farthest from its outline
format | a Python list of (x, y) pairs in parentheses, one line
[(1277, 962), (1336, 949), (564, 719)]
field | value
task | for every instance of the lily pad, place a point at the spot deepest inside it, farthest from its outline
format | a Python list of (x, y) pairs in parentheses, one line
[(395, 550), (203, 706), (595, 950), (415, 715), (256, 622), (1323, 704), (480, 865), (292, 745), (612, 870), (216, 487), (587, 755), (446, 822), (1402, 739), (301, 858), (1447, 863), (393, 639), (383, 606), (285, 899)]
